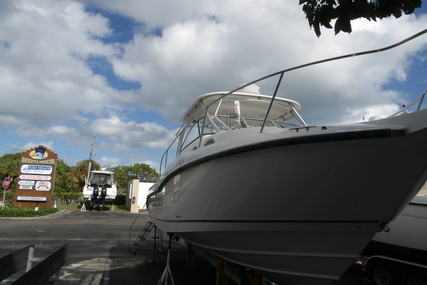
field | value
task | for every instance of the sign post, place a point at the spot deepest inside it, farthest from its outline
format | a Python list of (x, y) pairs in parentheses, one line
[(6, 184)]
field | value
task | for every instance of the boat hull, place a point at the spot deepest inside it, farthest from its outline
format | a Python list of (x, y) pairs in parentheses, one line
[(407, 235), (284, 210), (289, 253)]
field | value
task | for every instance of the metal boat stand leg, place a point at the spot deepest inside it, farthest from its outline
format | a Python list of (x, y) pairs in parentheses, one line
[(167, 272), (155, 250)]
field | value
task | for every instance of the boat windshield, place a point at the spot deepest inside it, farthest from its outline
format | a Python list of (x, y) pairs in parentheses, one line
[(101, 179)]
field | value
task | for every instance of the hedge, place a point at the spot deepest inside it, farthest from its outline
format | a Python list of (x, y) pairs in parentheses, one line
[(26, 212), (67, 198), (64, 198)]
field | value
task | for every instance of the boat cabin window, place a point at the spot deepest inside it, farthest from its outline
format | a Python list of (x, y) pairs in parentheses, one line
[(101, 179), (194, 130), (258, 122), (288, 123), (230, 122)]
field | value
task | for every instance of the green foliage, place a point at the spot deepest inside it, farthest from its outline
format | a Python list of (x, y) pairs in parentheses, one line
[(141, 171), (78, 174), (321, 12), (26, 212), (10, 196), (62, 176), (9, 167), (120, 200), (65, 198)]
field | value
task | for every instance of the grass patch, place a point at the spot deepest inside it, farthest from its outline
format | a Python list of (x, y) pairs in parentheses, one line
[(75, 207), (26, 212), (106, 208)]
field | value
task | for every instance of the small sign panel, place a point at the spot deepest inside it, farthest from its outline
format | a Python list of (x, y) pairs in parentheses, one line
[(34, 177), (43, 186), (36, 169), (27, 182), (31, 199), (25, 187)]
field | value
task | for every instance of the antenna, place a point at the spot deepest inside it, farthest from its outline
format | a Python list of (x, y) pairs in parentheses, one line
[(90, 157)]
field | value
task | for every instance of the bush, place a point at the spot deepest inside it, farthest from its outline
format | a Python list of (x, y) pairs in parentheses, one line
[(26, 212), (64, 198), (120, 200), (10, 196)]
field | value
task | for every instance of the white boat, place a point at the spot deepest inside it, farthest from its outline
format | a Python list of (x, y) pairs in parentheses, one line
[(406, 235), (255, 185), (399, 254), (100, 187)]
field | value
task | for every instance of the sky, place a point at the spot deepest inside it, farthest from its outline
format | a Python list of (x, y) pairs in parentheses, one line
[(124, 72)]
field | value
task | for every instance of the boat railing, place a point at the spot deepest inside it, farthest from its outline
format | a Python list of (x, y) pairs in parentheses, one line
[(280, 74), (417, 104), (164, 160)]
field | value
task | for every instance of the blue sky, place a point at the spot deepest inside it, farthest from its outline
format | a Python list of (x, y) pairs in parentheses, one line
[(127, 70)]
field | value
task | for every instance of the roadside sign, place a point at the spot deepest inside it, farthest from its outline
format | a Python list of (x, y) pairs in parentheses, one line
[(6, 183)]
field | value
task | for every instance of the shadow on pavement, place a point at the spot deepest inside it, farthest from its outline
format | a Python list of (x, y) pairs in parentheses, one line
[(133, 270)]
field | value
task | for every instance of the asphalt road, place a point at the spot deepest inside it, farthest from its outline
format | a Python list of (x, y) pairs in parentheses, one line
[(99, 243)]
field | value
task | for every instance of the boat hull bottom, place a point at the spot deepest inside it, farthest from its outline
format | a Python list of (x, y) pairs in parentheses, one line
[(288, 253)]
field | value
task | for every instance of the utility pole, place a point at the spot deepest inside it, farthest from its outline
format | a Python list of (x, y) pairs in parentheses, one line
[(90, 158)]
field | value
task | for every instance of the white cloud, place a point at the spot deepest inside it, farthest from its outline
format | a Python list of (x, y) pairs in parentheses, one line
[(29, 145), (109, 162), (125, 136), (49, 48), (42, 67), (218, 46)]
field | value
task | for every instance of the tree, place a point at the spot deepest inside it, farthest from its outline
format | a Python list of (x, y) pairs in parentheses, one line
[(321, 12), (9, 167), (62, 176), (79, 173), (141, 171)]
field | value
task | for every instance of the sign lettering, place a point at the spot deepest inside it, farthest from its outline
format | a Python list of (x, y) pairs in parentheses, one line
[(36, 169), (32, 199), (35, 177), (25, 187)]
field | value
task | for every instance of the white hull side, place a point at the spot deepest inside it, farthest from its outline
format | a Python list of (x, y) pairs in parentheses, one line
[(344, 190), (355, 180)]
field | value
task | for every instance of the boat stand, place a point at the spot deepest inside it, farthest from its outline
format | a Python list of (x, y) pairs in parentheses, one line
[(83, 208), (167, 272), (155, 249)]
